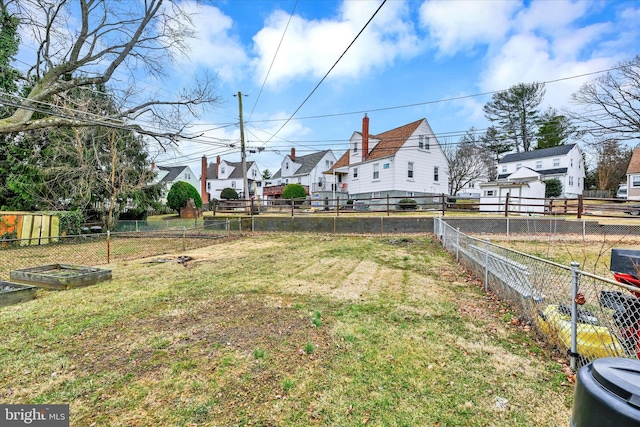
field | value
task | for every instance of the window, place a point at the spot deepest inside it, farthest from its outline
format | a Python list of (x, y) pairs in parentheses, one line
[(259, 183), (436, 173), (222, 169), (504, 169), (410, 170), (286, 166), (489, 193), (299, 180), (355, 147), (286, 181), (571, 162), (386, 166), (376, 171), (326, 163), (426, 142), (518, 166), (420, 141), (539, 164), (635, 181), (254, 173), (331, 163), (320, 182), (556, 163), (233, 184), (355, 172), (571, 181), (208, 186)]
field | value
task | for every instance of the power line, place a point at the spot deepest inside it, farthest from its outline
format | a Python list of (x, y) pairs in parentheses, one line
[(330, 69)]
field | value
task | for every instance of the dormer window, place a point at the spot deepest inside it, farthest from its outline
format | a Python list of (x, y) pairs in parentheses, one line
[(355, 147), (286, 166), (222, 170)]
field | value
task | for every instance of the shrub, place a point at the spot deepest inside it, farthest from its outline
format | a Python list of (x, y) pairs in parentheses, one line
[(180, 193), (407, 204), (553, 188), (70, 222), (294, 191), (228, 194)]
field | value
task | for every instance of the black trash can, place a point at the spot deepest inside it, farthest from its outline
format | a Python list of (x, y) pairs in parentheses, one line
[(607, 394)]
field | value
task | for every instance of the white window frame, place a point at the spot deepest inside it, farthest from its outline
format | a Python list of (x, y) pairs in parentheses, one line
[(504, 169), (410, 170), (518, 166), (376, 171), (538, 164), (355, 173), (436, 174), (556, 163), (635, 181), (570, 180)]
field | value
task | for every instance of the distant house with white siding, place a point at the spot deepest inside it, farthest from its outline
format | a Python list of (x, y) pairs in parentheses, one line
[(403, 162), (225, 174), (307, 170), (633, 176), (169, 175), (524, 187), (564, 162)]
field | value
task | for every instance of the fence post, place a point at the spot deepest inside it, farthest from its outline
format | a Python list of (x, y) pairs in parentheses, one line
[(137, 226), (338, 206), (108, 246), (240, 225), (184, 239), (443, 203), (251, 208), (253, 224), (584, 229), (214, 207), (293, 202), (444, 236), (506, 205), (486, 265), (228, 228), (574, 313), (507, 229), (580, 206), (458, 244), (388, 205)]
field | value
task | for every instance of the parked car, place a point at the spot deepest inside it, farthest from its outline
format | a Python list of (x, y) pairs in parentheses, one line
[(622, 192)]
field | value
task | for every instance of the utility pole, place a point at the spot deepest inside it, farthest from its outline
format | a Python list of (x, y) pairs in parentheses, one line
[(243, 154)]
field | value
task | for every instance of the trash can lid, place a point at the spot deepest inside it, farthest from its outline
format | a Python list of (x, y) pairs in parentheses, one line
[(619, 376)]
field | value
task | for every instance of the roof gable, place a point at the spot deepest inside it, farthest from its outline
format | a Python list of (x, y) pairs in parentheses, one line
[(634, 163), (392, 140), (172, 172), (308, 162)]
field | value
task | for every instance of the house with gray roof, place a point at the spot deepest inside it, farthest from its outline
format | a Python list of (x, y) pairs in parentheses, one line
[(564, 162), (305, 170), (225, 174), (169, 175)]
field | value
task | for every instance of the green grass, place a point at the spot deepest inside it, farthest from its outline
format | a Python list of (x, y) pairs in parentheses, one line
[(341, 331)]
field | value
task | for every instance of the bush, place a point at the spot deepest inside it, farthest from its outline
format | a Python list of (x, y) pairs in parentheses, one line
[(407, 204), (553, 188), (228, 194), (180, 193), (134, 214), (294, 191), (70, 222)]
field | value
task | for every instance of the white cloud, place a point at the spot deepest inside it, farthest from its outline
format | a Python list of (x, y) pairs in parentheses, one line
[(311, 47), (461, 25), (214, 46)]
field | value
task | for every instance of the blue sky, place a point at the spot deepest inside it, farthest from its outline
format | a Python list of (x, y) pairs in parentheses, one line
[(413, 52)]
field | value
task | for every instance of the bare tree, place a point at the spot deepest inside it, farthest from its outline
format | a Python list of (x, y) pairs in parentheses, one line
[(81, 44), (468, 161), (612, 103), (612, 159)]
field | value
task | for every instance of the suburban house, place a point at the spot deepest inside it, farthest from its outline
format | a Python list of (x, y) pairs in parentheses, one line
[(564, 162), (403, 162), (168, 175), (633, 176), (520, 185), (224, 174), (304, 170)]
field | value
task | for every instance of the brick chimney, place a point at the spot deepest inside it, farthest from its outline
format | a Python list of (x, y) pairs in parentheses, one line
[(218, 167), (153, 165), (293, 154), (203, 181), (365, 136)]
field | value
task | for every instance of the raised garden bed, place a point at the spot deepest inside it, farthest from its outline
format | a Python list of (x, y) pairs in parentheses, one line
[(13, 293), (60, 276)]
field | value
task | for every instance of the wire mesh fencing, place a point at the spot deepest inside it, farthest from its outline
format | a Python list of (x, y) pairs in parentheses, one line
[(106, 248), (588, 315)]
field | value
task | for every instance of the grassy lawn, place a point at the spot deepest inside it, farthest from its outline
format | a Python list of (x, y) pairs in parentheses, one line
[(283, 330)]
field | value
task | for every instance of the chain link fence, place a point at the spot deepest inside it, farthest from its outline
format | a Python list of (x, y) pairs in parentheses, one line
[(588, 315), (105, 248)]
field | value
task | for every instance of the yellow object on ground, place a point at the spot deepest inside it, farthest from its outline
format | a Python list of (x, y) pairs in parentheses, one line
[(593, 341)]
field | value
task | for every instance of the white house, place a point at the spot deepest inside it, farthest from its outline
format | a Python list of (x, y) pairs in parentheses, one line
[(564, 162), (403, 162), (633, 176), (305, 170), (522, 184), (224, 174), (168, 175)]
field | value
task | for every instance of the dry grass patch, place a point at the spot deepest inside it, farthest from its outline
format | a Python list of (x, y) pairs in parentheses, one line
[(282, 330)]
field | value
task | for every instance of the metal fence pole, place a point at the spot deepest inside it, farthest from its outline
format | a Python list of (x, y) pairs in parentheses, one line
[(228, 228), (240, 225), (184, 238), (137, 226), (458, 244), (486, 265), (574, 313), (253, 224), (507, 229), (584, 229), (108, 246)]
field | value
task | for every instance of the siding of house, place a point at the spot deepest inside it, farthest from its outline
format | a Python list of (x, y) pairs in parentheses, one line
[(633, 176)]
